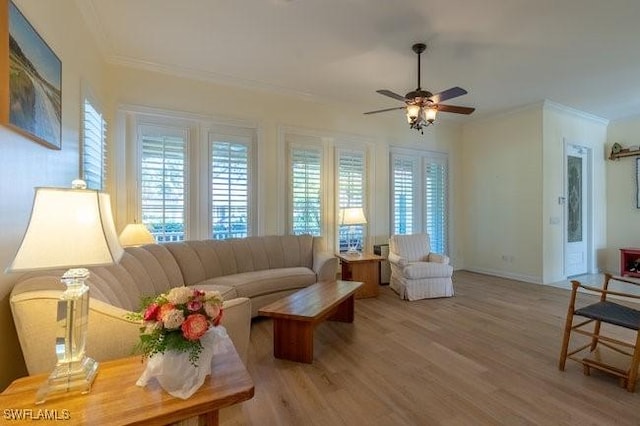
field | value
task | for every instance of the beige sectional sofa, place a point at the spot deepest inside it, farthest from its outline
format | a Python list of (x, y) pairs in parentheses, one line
[(249, 272)]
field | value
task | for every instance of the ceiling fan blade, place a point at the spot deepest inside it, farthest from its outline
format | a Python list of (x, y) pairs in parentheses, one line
[(455, 109), (454, 92), (383, 110), (391, 94)]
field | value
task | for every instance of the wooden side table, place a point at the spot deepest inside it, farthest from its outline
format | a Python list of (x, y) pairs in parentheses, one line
[(116, 400), (362, 267)]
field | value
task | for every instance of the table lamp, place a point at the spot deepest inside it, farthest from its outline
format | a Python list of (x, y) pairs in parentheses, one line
[(135, 234), (352, 216), (69, 228)]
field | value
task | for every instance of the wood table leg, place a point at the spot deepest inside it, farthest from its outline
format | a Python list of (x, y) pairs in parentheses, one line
[(344, 311), (209, 419), (293, 340)]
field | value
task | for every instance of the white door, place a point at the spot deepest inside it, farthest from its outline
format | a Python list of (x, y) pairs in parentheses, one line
[(577, 210)]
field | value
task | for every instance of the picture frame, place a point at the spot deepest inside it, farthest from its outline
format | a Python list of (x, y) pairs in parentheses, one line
[(638, 182), (31, 86)]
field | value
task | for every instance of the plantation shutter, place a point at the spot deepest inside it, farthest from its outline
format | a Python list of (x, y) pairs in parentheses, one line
[(229, 189), (436, 196), (162, 181), (305, 187), (402, 186), (94, 152), (351, 193)]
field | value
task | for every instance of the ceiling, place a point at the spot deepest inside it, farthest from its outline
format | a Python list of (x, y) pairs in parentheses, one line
[(583, 54)]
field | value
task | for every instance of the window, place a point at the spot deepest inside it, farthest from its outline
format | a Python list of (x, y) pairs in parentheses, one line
[(230, 197), (436, 199), (195, 176), (402, 188), (305, 177), (94, 152), (351, 193), (419, 185), (163, 154)]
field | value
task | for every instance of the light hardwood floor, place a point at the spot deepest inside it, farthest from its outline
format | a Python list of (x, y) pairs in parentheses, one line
[(486, 356)]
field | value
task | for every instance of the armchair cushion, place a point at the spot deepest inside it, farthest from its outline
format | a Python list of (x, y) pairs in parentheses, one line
[(417, 270)]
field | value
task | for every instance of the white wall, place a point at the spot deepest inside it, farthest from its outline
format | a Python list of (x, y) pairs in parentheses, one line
[(623, 217), (25, 164), (512, 175), (501, 210)]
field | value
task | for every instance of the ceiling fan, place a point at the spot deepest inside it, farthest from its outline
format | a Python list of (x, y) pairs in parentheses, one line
[(422, 105)]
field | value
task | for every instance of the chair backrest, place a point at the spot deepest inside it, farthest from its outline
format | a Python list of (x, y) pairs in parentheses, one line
[(414, 247)]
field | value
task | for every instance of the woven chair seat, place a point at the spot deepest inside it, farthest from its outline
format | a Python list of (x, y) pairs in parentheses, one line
[(612, 313)]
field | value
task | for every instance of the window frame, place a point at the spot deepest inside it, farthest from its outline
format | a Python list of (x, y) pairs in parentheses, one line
[(198, 126), (420, 159), (361, 230), (243, 137), (291, 147), (88, 97), (168, 129)]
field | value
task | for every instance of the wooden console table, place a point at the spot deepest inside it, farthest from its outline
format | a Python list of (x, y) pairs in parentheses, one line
[(115, 399), (362, 267)]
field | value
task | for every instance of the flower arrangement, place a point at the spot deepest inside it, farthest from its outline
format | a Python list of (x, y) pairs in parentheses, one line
[(177, 320)]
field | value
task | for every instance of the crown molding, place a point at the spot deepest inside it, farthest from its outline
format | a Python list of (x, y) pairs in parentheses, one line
[(547, 104), (211, 77), (95, 27)]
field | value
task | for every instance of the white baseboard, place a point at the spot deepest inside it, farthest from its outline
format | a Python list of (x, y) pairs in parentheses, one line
[(503, 274)]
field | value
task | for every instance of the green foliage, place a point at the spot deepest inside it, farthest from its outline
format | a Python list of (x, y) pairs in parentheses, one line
[(160, 341)]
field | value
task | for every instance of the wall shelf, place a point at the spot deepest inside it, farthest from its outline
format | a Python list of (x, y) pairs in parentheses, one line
[(623, 154)]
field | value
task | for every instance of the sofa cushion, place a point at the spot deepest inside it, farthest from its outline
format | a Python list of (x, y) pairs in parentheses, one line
[(251, 284), (427, 270)]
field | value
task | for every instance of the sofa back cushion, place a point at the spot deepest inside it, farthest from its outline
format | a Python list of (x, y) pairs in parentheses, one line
[(142, 271), (206, 259)]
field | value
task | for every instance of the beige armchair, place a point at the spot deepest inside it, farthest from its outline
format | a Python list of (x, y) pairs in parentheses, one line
[(416, 272)]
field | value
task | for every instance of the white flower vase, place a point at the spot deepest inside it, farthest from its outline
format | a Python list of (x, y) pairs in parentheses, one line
[(176, 374)]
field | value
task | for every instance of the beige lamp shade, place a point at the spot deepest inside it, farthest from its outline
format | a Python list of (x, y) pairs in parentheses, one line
[(68, 228), (352, 216), (136, 234)]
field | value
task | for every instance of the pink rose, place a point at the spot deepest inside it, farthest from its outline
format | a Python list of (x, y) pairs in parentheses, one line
[(194, 326), (151, 313), (194, 305)]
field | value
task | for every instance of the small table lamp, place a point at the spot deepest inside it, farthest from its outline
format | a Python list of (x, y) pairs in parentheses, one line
[(69, 228), (352, 216), (136, 234)]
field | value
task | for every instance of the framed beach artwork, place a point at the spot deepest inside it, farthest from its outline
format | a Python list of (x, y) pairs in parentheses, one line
[(30, 80)]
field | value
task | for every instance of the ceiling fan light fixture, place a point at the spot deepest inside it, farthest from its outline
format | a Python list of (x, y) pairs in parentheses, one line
[(422, 106), (430, 115), (413, 113)]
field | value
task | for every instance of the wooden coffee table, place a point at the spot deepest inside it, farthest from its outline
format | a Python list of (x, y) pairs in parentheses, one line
[(296, 316)]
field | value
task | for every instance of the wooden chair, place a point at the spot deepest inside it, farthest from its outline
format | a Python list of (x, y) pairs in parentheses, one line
[(610, 353)]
